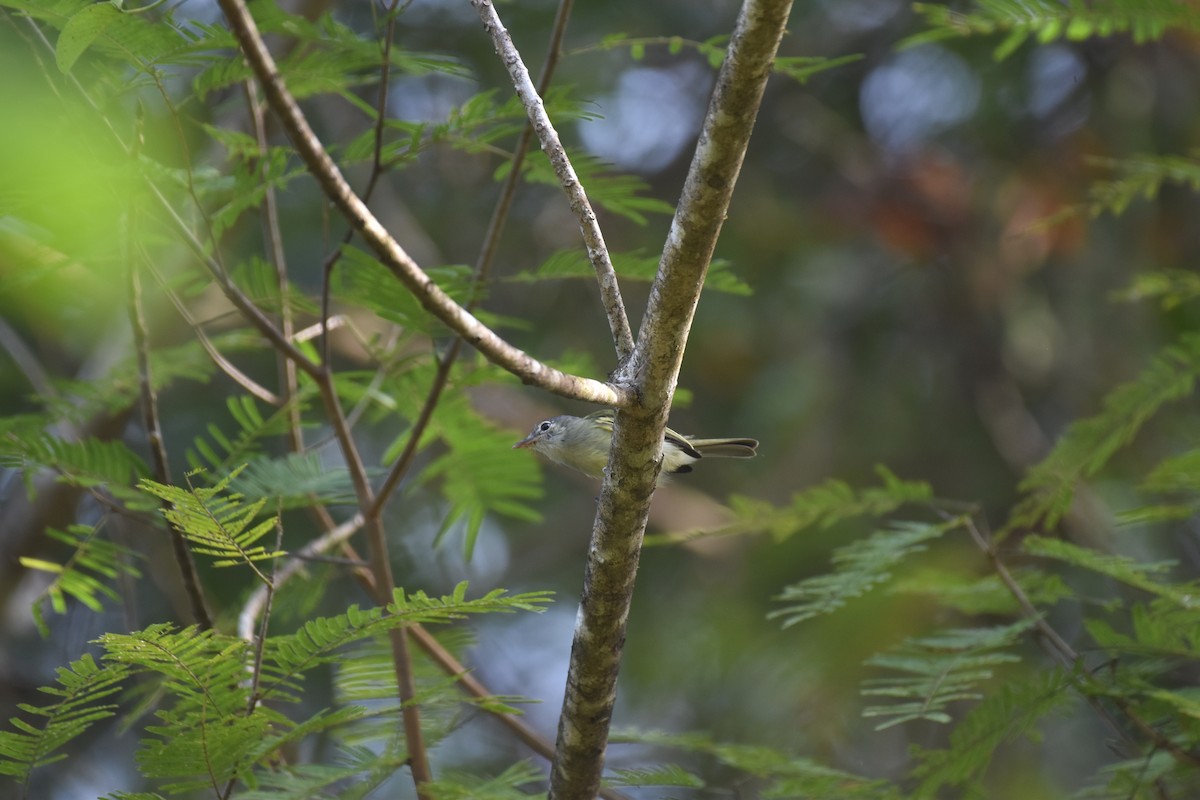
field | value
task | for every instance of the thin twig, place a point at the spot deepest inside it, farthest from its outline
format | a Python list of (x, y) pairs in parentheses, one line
[(390, 253), (491, 239), (274, 238), (377, 169), (12, 343), (593, 238), (225, 365), (232, 292), (154, 434), (381, 570)]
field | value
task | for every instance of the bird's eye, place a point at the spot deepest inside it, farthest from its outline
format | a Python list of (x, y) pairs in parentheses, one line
[(545, 426)]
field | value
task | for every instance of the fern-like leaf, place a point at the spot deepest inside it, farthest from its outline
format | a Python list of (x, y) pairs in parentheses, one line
[(618, 194), (480, 473), (786, 776), (364, 280), (356, 773), (216, 522), (320, 640), (88, 462), (512, 784), (1130, 571), (937, 670), (81, 576), (858, 568), (1013, 711), (219, 452), (661, 775), (1048, 20), (204, 736), (297, 480), (1087, 445), (81, 686), (970, 594)]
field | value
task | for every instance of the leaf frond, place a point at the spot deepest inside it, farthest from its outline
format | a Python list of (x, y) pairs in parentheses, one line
[(1087, 445), (81, 686), (216, 523), (1046, 21), (858, 568), (937, 670)]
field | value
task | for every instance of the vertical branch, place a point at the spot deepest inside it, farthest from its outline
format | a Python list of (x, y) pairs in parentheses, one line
[(381, 572), (381, 98), (653, 370), (150, 417), (491, 240), (593, 239), (274, 240)]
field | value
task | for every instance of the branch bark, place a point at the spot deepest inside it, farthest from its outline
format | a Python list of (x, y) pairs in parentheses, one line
[(653, 372), (390, 253), (593, 239)]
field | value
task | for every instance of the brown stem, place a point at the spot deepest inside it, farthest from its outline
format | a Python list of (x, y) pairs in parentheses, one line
[(274, 240), (381, 571), (154, 437)]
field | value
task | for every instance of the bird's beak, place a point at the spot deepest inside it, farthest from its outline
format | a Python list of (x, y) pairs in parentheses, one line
[(526, 442)]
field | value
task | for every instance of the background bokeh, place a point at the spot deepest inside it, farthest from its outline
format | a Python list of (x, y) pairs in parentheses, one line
[(909, 308)]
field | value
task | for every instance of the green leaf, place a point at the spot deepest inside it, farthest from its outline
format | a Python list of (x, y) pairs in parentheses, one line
[(297, 480), (618, 194), (1012, 711), (509, 785), (83, 575), (361, 278), (1141, 575), (937, 670), (801, 68), (970, 594), (785, 776), (858, 568), (479, 472), (1087, 445), (252, 429), (661, 775), (1048, 20), (1140, 177), (216, 523), (80, 686), (821, 507), (80, 31), (87, 463)]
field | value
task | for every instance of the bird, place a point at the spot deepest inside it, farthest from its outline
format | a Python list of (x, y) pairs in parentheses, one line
[(582, 443)]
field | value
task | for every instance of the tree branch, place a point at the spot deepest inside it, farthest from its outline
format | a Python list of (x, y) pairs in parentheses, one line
[(390, 253), (593, 239), (154, 437), (653, 370)]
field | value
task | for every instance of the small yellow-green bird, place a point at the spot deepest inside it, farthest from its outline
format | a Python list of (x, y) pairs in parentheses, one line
[(583, 443)]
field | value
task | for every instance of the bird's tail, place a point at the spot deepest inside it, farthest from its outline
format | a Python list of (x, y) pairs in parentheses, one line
[(726, 448)]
